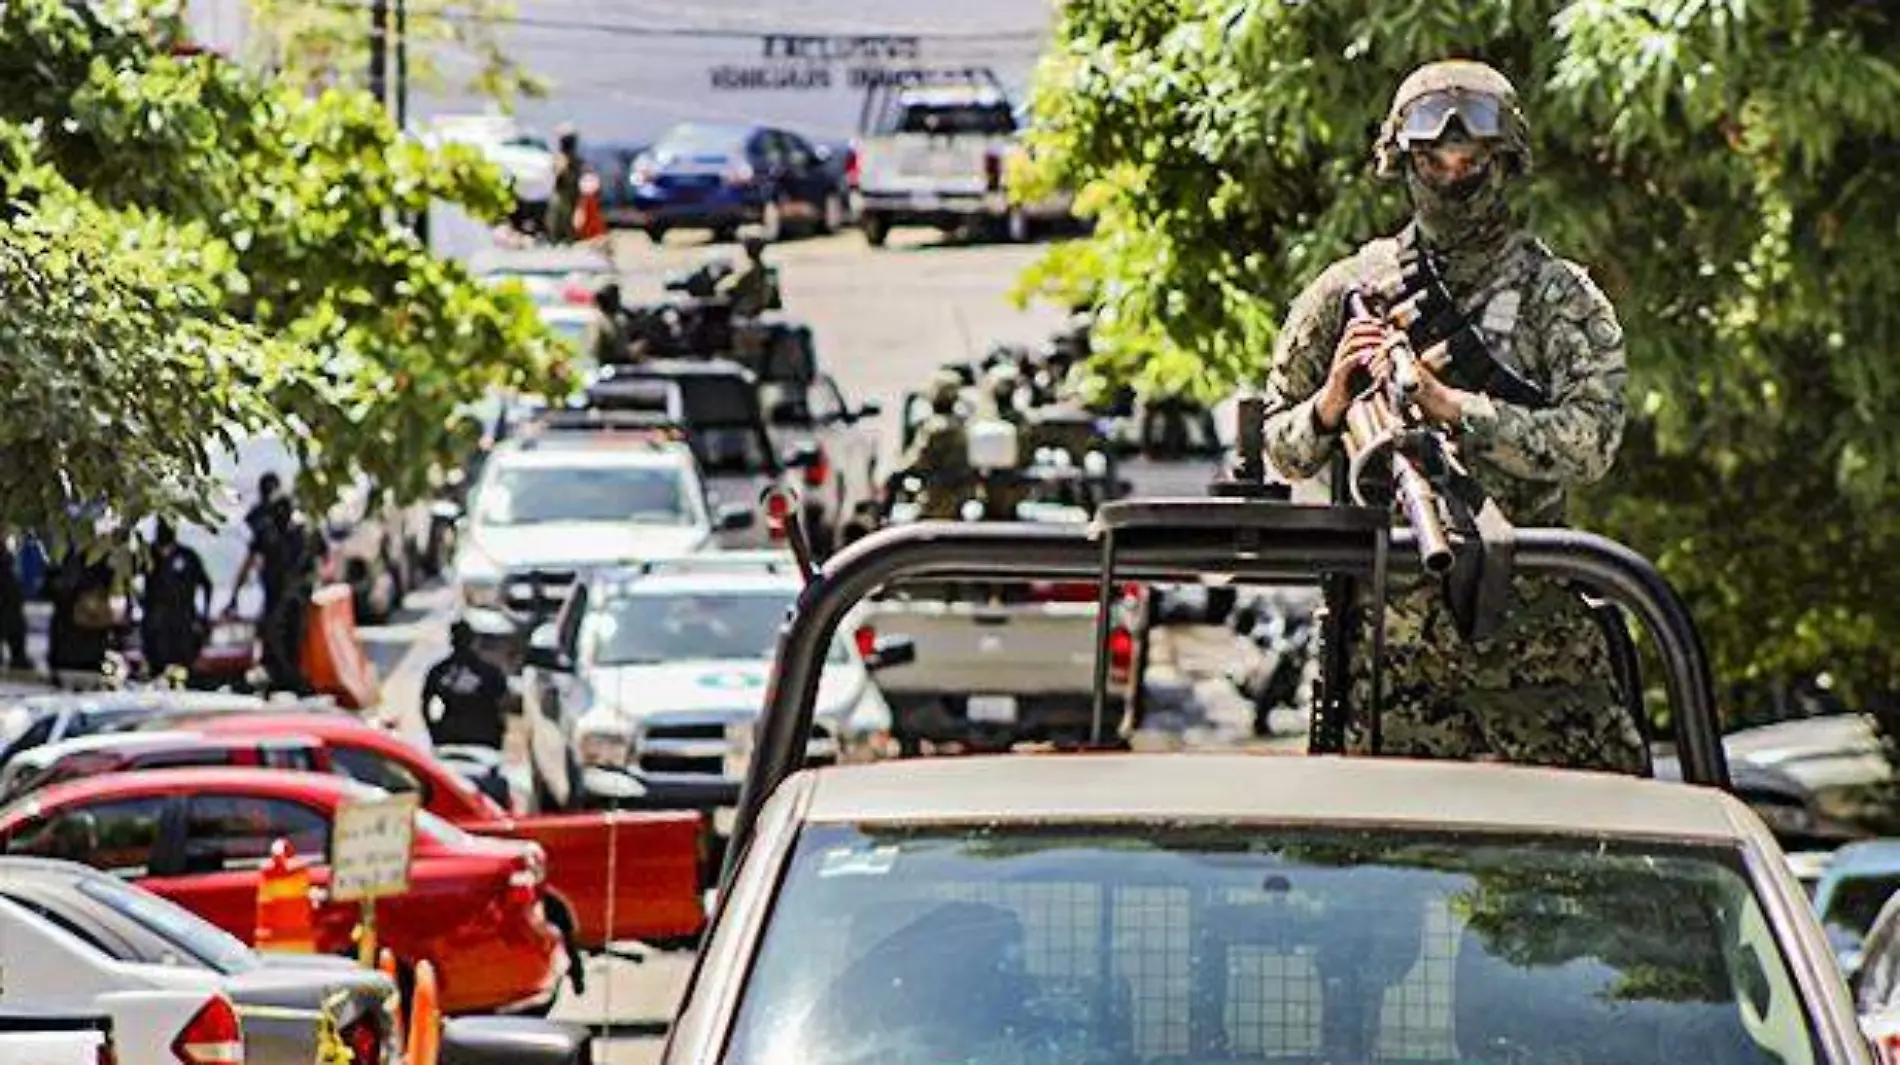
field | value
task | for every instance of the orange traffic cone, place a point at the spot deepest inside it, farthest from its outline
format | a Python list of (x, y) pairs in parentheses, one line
[(284, 918), (386, 964), (425, 1018)]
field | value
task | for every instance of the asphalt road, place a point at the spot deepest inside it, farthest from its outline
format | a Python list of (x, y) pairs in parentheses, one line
[(883, 319)]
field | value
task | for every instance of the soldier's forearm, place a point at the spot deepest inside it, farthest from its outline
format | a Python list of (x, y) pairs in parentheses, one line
[(1295, 444), (1572, 444)]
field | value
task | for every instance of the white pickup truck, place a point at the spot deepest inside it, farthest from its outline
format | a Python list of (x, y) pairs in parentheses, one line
[(939, 156)]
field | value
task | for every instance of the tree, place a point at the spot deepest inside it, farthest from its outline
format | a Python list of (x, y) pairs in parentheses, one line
[(327, 45), (288, 204), (1720, 166)]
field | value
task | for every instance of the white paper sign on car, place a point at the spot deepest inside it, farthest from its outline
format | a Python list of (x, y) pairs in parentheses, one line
[(370, 854)]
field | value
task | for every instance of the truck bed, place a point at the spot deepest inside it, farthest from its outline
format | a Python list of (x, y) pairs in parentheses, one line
[(652, 879)]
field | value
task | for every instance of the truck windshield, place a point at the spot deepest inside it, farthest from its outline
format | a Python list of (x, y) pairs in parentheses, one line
[(533, 495), (1230, 943), (644, 630)]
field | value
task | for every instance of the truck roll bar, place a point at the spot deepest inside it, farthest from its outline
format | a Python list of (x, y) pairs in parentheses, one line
[(1251, 541)]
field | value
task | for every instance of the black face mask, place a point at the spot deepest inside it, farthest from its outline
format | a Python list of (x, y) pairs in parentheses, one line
[(1468, 223)]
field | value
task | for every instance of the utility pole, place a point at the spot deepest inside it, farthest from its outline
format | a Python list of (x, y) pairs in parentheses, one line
[(402, 64), (379, 51)]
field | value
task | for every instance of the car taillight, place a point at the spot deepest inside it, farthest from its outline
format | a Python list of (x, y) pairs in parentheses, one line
[(818, 472), (851, 168), (212, 1037), (993, 171), (364, 1041), (778, 508), (1121, 655), (866, 638), (577, 294), (524, 880)]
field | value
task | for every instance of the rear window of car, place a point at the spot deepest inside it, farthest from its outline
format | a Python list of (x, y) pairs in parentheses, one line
[(950, 119), (1210, 943), (116, 835), (201, 940)]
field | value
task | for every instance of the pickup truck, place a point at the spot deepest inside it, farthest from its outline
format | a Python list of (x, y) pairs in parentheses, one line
[(938, 156), (55, 1037)]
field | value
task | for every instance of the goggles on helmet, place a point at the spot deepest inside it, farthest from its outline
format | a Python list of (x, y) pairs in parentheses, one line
[(1427, 118)]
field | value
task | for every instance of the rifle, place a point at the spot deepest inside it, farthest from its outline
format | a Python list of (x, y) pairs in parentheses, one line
[(1383, 426)]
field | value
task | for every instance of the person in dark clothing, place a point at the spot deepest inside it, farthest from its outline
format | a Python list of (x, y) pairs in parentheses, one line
[(471, 691), (172, 626), (83, 619), (267, 521), (12, 609), (297, 566)]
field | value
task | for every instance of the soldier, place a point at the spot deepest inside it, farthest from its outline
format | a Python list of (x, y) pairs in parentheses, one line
[(606, 342), (565, 200), (939, 455), (749, 290), (1005, 489), (1540, 689)]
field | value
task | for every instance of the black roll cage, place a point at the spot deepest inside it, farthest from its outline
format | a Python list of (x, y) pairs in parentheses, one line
[(1245, 541)]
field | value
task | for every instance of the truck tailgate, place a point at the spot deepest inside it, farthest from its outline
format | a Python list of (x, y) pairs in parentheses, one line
[(975, 649), (653, 880), (919, 162)]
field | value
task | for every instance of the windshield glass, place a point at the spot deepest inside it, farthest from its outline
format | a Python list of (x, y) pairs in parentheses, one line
[(683, 626), (202, 940), (1186, 944), (532, 495), (944, 120)]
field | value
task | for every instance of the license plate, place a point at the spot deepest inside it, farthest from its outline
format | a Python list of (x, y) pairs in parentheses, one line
[(992, 709), (926, 201)]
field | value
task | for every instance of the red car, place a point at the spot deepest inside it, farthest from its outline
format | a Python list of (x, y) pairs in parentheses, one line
[(655, 871), (120, 752), (200, 836)]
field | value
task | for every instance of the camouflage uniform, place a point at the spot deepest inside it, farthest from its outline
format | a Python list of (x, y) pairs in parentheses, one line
[(749, 289), (606, 342), (1005, 491), (1540, 689), (939, 454)]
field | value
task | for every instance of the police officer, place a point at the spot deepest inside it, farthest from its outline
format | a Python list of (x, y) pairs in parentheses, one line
[(566, 197), (939, 453), (172, 625), (1539, 689), (606, 342), (470, 691)]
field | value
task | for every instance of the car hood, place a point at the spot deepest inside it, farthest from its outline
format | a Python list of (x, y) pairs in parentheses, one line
[(586, 543), (714, 686)]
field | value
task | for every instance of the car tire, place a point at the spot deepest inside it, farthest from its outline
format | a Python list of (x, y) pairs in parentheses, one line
[(772, 221), (876, 230), (831, 216)]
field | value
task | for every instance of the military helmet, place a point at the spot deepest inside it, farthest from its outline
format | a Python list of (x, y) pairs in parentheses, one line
[(1476, 94), (1002, 379)]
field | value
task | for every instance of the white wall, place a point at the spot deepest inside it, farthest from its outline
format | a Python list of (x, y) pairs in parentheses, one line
[(623, 70)]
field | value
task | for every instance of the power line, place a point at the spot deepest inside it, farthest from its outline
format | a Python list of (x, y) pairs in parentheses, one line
[(622, 29)]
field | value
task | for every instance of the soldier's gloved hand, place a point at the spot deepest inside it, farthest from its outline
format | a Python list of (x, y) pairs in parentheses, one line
[(1357, 349)]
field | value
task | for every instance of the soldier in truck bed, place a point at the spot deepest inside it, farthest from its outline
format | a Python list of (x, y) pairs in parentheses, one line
[(1541, 688)]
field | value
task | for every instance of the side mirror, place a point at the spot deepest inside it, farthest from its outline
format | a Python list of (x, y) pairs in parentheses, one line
[(544, 650), (891, 651), (801, 456), (734, 517)]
